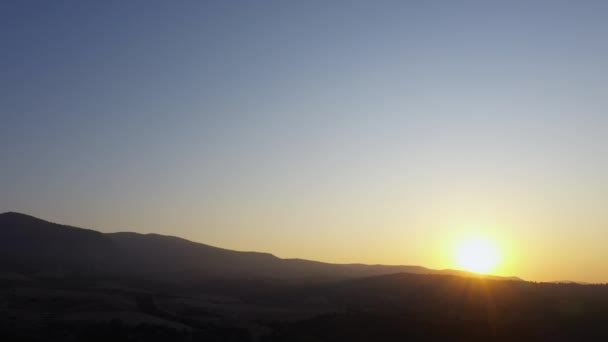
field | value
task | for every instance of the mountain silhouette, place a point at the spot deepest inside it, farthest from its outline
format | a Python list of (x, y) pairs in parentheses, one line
[(34, 247), (62, 283)]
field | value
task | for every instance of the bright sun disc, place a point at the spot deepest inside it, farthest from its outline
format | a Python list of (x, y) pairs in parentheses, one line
[(476, 255)]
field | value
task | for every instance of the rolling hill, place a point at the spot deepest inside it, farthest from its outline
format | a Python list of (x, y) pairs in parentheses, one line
[(31, 246)]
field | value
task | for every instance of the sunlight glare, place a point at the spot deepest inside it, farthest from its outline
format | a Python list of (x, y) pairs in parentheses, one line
[(477, 255)]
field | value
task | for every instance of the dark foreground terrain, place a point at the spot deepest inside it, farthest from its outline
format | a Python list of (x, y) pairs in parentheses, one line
[(61, 283), (383, 308)]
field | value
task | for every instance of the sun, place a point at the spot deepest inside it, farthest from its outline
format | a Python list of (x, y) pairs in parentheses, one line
[(477, 254)]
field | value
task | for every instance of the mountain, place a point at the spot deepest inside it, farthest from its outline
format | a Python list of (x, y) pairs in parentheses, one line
[(35, 247), (32, 246)]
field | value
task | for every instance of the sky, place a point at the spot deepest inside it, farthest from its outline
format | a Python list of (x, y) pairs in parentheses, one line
[(339, 131)]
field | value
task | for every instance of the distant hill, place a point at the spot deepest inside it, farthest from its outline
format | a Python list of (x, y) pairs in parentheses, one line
[(403, 307), (35, 247), (570, 282)]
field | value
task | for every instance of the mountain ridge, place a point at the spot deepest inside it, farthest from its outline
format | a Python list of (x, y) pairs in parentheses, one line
[(30, 245)]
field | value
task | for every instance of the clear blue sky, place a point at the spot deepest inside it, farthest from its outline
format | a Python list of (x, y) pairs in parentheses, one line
[(368, 131)]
